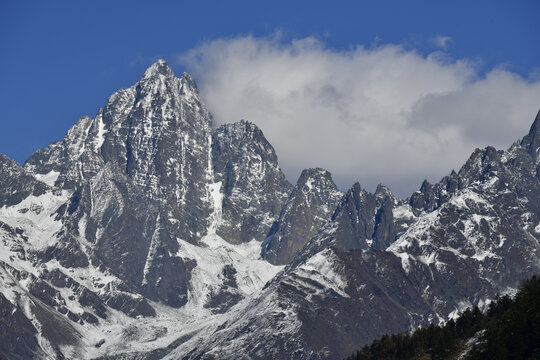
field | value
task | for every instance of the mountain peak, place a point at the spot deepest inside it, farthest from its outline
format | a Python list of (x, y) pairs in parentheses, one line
[(241, 129), (315, 174), (160, 67), (383, 192), (317, 181), (188, 81), (356, 187), (532, 140), (382, 189)]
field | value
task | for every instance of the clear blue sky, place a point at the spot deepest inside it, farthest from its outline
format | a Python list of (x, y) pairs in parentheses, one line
[(62, 59)]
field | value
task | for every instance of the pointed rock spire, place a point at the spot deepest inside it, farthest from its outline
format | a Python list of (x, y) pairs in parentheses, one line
[(319, 175), (188, 84), (309, 206), (157, 131), (160, 67), (532, 140), (243, 160), (383, 194), (354, 219), (16, 183)]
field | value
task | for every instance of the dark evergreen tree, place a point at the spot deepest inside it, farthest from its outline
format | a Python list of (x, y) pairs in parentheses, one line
[(509, 330)]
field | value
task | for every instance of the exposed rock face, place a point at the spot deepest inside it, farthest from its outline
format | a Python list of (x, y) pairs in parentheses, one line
[(158, 132), (16, 183), (76, 157), (17, 334), (364, 220), (430, 197), (139, 235), (384, 232), (164, 146), (254, 187), (354, 219), (126, 234), (310, 205), (531, 142)]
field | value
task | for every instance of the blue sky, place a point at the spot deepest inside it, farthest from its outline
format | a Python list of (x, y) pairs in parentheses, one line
[(61, 60)]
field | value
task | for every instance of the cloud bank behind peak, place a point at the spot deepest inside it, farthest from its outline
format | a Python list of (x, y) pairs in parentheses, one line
[(379, 114)]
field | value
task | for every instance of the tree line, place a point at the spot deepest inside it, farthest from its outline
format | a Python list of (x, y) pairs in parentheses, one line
[(510, 329)]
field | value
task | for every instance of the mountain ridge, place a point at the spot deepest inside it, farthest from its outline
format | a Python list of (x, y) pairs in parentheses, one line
[(180, 240)]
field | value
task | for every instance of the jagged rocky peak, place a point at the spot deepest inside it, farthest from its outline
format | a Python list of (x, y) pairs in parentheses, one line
[(244, 134), (482, 165), (158, 132), (364, 220), (309, 206), (532, 140), (158, 68), (253, 186), (432, 196), (159, 79), (354, 219), (68, 162), (479, 164), (315, 179), (425, 199), (385, 231), (383, 194), (16, 183), (188, 84)]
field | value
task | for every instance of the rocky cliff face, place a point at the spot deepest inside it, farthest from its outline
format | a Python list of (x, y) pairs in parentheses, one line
[(309, 206), (140, 235), (365, 221), (16, 183), (113, 225), (159, 133), (254, 187)]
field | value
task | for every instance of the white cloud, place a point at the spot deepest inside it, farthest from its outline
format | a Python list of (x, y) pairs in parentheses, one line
[(381, 114), (442, 42)]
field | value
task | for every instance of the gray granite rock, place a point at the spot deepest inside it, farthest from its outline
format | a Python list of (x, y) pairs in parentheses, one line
[(16, 183), (158, 133), (253, 186), (309, 206)]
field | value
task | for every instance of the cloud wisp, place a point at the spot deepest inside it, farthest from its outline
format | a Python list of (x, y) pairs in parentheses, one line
[(380, 114), (442, 42)]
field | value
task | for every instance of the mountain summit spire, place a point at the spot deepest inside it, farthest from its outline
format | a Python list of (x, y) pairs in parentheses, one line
[(160, 67), (532, 140)]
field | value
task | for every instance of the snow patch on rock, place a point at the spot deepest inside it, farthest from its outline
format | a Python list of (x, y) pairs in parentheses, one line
[(49, 178), (323, 268)]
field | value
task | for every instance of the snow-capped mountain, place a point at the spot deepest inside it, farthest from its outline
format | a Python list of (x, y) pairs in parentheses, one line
[(145, 234)]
